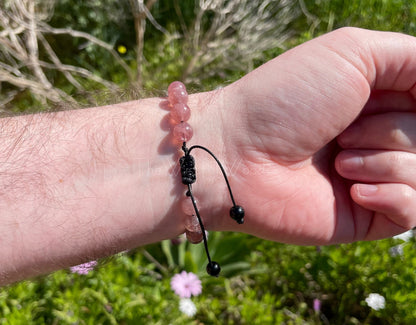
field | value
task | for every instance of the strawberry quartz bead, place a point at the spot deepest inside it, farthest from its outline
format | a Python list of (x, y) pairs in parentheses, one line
[(192, 227), (193, 230), (176, 85), (187, 206), (180, 112), (194, 237), (182, 132), (177, 93)]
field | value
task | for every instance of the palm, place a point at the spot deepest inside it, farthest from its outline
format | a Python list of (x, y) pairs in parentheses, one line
[(304, 204)]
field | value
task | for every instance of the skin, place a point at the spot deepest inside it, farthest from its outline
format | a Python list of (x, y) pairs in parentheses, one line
[(79, 185), (293, 111)]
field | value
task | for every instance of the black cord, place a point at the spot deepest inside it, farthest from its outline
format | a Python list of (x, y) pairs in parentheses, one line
[(236, 211), (204, 236), (188, 172), (219, 164)]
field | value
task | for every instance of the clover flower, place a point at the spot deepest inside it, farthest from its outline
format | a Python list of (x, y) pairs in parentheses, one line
[(83, 268), (375, 301), (187, 307), (186, 284)]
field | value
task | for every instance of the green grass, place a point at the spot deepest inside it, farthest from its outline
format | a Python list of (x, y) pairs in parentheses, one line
[(274, 284)]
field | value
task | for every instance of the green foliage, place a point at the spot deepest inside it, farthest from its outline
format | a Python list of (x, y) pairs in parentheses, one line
[(273, 284), (322, 16), (108, 20), (343, 276), (166, 56), (181, 255)]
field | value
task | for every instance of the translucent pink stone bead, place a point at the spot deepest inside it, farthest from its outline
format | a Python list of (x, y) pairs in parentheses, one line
[(194, 237), (193, 230), (192, 224), (176, 85), (177, 93), (180, 112), (182, 132), (187, 206)]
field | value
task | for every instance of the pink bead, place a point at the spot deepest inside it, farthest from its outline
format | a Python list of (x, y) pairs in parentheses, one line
[(180, 112), (193, 230), (178, 96), (187, 206), (192, 223), (175, 85), (177, 93), (194, 237), (182, 132)]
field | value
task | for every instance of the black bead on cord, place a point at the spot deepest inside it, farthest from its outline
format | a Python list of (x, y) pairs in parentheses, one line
[(188, 172)]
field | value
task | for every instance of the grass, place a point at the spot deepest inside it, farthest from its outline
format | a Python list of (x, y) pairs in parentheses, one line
[(275, 284)]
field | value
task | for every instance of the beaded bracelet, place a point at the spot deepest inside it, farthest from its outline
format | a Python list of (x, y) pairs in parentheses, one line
[(182, 133)]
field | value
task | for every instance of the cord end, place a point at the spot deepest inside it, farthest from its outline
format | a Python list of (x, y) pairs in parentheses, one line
[(213, 268), (237, 213)]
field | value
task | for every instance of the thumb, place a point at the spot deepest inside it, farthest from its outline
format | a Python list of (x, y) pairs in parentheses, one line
[(304, 98)]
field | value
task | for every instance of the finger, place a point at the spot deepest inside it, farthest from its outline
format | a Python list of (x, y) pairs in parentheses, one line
[(382, 101), (394, 204), (377, 166), (388, 131)]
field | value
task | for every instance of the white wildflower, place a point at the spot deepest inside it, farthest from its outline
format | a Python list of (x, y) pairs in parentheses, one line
[(396, 250), (375, 301), (406, 236), (187, 307)]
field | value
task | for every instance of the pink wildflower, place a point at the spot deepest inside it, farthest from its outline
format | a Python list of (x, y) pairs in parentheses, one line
[(317, 305), (186, 284), (83, 268)]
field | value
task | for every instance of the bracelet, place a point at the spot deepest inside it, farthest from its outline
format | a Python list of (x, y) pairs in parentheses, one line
[(182, 133)]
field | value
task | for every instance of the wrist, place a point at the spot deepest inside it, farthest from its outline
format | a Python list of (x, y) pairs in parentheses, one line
[(207, 122), (142, 200), (213, 119), (154, 207)]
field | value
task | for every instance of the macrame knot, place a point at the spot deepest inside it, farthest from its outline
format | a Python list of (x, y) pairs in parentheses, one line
[(187, 163)]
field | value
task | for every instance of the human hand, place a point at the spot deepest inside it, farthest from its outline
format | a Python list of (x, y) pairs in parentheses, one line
[(288, 114), (380, 155)]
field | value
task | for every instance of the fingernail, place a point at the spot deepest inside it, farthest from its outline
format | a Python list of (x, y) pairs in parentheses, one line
[(367, 189)]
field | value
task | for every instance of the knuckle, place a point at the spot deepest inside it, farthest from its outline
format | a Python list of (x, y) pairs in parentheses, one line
[(408, 195), (352, 31), (401, 166), (397, 135)]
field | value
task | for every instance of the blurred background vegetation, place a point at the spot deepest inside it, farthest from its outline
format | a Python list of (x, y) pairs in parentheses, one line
[(67, 53)]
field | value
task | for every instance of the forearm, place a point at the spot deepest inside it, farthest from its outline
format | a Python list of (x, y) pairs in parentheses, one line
[(83, 184)]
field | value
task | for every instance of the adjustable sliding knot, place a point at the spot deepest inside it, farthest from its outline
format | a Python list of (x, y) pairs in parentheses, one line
[(188, 172)]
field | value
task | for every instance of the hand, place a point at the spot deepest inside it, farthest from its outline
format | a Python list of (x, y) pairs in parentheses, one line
[(381, 154), (288, 114)]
